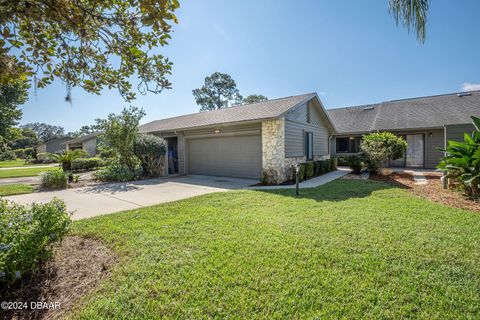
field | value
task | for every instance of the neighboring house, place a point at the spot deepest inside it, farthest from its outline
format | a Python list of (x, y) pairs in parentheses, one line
[(53, 145), (87, 142), (243, 141), (426, 123)]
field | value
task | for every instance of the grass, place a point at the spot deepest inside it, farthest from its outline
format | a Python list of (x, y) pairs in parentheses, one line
[(24, 172), (349, 249), (12, 189), (16, 163)]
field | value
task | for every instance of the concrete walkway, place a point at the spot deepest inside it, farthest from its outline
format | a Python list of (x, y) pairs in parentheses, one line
[(112, 197), (312, 183)]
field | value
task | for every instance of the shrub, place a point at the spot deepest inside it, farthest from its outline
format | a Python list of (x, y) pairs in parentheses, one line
[(66, 157), (462, 161), (309, 170), (316, 168), (7, 155), (355, 162), (54, 179), (117, 172), (381, 147), (27, 233), (20, 153), (342, 160), (151, 151), (84, 164)]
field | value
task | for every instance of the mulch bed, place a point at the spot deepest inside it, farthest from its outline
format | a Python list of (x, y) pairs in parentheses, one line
[(432, 191), (75, 269)]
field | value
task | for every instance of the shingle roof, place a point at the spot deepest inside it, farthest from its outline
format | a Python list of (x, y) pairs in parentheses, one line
[(83, 138), (423, 112), (255, 111)]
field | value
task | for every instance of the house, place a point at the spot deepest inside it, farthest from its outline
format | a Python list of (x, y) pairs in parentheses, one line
[(243, 141), (87, 142), (426, 123), (53, 145)]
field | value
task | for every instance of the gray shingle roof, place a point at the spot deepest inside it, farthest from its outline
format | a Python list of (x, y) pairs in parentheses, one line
[(255, 111), (423, 112), (83, 138)]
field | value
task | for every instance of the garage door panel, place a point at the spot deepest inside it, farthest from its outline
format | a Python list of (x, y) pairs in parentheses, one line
[(236, 156)]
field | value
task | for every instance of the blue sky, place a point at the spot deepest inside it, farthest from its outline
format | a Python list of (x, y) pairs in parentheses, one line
[(350, 52)]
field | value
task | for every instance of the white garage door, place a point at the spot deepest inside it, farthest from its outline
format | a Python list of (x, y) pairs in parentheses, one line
[(236, 156)]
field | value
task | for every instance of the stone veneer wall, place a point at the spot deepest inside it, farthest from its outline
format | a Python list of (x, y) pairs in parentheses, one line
[(274, 163)]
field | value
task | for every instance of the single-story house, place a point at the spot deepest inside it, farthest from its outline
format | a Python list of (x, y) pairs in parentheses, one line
[(271, 136), (86, 142), (426, 123), (53, 145), (242, 141)]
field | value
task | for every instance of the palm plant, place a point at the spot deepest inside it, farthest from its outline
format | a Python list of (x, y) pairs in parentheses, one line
[(462, 161), (66, 157), (412, 14)]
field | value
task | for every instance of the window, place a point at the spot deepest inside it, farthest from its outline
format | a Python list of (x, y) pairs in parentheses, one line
[(348, 145), (309, 145)]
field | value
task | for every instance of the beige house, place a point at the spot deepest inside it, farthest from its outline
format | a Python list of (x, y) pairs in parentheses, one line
[(243, 141), (87, 143)]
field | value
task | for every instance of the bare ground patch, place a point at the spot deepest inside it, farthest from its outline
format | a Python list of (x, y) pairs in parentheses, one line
[(75, 269)]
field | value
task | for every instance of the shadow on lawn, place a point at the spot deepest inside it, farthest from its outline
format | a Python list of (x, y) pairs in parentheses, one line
[(338, 190)]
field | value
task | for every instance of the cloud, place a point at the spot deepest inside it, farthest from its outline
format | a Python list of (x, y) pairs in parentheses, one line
[(467, 86)]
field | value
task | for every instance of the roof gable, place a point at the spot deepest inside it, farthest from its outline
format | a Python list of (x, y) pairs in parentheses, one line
[(256, 111)]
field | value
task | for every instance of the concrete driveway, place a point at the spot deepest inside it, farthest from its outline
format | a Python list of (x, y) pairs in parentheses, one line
[(101, 199)]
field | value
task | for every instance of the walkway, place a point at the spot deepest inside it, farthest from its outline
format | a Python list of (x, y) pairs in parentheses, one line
[(312, 183)]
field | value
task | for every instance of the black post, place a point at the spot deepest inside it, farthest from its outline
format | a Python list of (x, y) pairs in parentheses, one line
[(297, 171)]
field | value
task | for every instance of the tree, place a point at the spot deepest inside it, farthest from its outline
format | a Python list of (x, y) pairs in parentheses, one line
[(253, 98), (219, 91), (86, 129), (93, 44), (381, 147), (12, 95), (24, 138), (119, 134), (45, 131), (412, 14)]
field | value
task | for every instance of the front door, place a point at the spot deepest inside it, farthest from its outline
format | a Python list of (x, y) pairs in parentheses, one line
[(415, 150)]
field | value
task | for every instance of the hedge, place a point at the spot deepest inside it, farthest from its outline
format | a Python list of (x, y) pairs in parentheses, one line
[(314, 168), (84, 164)]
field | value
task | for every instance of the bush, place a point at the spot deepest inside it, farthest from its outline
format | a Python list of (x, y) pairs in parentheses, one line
[(151, 151), (40, 160), (7, 155), (26, 235), (355, 162), (381, 147), (309, 171), (316, 168), (342, 160), (462, 162), (117, 172), (84, 164), (54, 179), (20, 153)]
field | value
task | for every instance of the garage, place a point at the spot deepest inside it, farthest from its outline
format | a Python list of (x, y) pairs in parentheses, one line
[(231, 156)]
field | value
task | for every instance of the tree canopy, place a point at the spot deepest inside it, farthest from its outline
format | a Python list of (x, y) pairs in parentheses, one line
[(45, 131), (93, 44), (253, 98), (219, 91), (12, 95)]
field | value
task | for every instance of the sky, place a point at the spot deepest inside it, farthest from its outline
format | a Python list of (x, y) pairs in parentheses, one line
[(350, 52)]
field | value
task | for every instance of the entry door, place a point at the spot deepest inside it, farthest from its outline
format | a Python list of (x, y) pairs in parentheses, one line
[(415, 150)]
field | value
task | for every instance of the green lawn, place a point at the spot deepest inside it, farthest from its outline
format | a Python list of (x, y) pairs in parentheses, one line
[(349, 249), (17, 163), (11, 189), (24, 172)]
